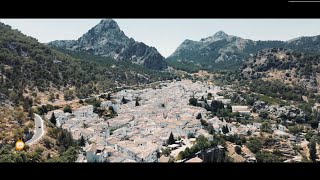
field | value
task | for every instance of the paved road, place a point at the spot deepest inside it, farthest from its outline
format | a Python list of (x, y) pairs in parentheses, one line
[(39, 132)]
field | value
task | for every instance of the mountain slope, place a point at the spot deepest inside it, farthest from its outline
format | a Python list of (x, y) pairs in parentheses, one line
[(284, 65), (227, 52), (106, 39), (310, 45), (27, 65), (219, 49)]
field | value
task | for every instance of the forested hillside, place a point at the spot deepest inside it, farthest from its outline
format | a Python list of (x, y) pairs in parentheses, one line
[(26, 64)]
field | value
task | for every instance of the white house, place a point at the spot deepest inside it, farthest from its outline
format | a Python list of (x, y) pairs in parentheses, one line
[(218, 98), (241, 109), (84, 111), (140, 151), (225, 101), (96, 154), (61, 117)]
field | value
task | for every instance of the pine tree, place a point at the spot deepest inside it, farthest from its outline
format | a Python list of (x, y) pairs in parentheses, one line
[(53, 119), (82, 141), (109, 96), (137, 102), (313, 150), (199, 116), (171, 139), (225, 129), (124, 101)]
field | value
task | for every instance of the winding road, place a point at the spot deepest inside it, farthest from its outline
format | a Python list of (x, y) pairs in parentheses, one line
[(39, 130)]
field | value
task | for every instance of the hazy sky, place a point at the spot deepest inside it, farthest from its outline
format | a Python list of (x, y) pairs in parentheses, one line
[(167, 34)]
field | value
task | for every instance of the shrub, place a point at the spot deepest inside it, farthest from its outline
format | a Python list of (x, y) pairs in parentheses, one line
[(238, 149)]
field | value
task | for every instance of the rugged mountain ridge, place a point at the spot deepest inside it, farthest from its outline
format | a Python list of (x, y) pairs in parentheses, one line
[(230, 50), (108, 40)]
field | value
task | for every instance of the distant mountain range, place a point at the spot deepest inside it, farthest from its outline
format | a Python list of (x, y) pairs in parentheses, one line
[(108, 40), (223, 51)]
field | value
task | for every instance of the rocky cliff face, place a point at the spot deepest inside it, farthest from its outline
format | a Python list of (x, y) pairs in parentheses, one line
[(107, 39)]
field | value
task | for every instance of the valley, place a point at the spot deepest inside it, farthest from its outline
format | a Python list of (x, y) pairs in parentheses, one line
[(106, 97)]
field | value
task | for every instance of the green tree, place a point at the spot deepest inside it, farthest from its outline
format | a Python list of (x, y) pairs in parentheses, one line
[(216, 106), (314, 123), (124, 100), (267, 157), (199, 116), (187, 152), (250, 101), (53, 119), (171, 139), (166, 152), (109, 96), (225, 129), (202, 142), (67, 109), (82, 141), (6, 155), (237, 149), (181, 155), (254, 110), (254, 145), (235, 114), (193, 101), (312, 150), (137, 102), (70, 155), (264, 114), (294, 129)]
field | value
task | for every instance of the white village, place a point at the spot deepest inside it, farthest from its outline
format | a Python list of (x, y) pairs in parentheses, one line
[(140, 132)]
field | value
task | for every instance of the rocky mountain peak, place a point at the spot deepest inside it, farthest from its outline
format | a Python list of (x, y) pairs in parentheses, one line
[(220, 35), (107, 24), (108, 40)]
